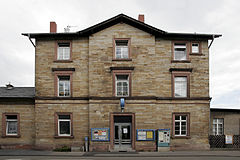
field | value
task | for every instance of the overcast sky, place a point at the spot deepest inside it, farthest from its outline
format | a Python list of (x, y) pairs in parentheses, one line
[(201, 16)]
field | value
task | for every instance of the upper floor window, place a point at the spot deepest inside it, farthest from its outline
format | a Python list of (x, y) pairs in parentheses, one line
[(122, 85), (64, 86), (195, 47), (217, 126), (180, 51), (122, 49), (63, 51), (181, 84)]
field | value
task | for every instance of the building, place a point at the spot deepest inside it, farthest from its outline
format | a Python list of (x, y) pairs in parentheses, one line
[(161, 78), (224, 128)]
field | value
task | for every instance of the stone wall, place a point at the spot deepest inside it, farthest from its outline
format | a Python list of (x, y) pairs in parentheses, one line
[(231, 121), (27, 126)]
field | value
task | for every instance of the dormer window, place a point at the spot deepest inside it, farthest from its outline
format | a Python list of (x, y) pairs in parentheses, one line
[(121, 49)]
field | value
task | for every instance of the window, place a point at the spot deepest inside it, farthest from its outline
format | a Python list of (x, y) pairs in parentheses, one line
[(181, 84), (180, 87), (218, 126), (63, 86), (64, 124), (63, 51), (11, 125), (195, 48), (180, 51), (122, 85), (122, 49), (181, 124)]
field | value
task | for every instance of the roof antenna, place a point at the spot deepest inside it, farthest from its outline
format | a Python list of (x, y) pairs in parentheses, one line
[(67, 29)]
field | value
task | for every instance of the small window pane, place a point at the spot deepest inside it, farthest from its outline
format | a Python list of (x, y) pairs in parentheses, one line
[(195, 48), (64, 116), (12, 127), (11, 116), (122, 77), (64, 127)]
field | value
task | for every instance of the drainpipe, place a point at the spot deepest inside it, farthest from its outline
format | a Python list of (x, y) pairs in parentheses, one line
[(31, 41), (211, 41)]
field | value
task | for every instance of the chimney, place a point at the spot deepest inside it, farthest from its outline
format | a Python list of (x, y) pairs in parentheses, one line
[(9, 86), (53, 27), (141, 17)]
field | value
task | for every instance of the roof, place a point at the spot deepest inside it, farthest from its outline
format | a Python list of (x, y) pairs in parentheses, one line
[(17, 92), (122, 18)]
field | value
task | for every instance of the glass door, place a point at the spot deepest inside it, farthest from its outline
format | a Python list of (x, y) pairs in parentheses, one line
[(122, 135)]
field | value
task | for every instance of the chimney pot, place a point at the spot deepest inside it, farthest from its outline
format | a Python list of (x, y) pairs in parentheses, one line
[(141, 17), (9, 86), (53, 27)]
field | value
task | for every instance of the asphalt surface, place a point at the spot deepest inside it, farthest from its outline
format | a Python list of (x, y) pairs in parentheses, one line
[(181, 155)]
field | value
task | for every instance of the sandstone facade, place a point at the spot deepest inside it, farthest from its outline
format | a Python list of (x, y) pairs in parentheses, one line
[(92, 101)]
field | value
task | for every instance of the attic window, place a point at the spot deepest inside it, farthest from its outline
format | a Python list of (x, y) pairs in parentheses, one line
[(121, 49)]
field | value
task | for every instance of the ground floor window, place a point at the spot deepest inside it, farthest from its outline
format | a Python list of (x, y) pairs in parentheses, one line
[(181, 124), (11, 125), (217, 126), (64, 124)]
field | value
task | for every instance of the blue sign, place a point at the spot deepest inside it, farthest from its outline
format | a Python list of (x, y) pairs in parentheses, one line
[(122, 102)]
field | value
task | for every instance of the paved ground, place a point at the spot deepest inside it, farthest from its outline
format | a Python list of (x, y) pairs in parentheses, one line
[(181, 155)]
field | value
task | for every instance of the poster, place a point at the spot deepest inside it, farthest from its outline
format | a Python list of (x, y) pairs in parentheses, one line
[(145, 135), (229, 139), (149, 135), (100, 134)]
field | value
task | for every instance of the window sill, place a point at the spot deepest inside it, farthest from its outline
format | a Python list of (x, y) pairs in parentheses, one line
[(181, 61), (11, 136), (181, 137), (196, 54), (59, 137), (63, 61), (122, 60), (180, 98)]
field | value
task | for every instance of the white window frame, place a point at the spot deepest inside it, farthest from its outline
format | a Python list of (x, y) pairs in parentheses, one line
[(218, 124), (69, 83), (122, 48), (116, 81), (197, 47), (180, 125), (175, 46), (65, 52), (186, 90), (11, 120), (64, 120)]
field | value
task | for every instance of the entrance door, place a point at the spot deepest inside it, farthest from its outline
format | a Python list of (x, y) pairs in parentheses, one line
[(122, 137)]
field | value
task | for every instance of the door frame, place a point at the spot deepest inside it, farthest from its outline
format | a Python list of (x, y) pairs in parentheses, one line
[(112, 127)]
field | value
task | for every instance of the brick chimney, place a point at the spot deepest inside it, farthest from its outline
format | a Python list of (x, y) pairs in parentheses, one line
[(53, 27), (141, 17)]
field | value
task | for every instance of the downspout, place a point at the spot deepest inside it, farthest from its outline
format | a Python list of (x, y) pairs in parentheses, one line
[(31, 41), (211, 41)]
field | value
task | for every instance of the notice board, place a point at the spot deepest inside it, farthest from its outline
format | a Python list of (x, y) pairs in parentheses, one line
[(145, 134), (100, 134)]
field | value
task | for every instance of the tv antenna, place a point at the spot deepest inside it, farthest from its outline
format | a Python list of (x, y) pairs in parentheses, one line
[(67, 29)]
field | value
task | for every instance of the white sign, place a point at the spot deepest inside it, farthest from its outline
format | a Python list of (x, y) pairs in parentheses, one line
[(229, 139), (125, 130)]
